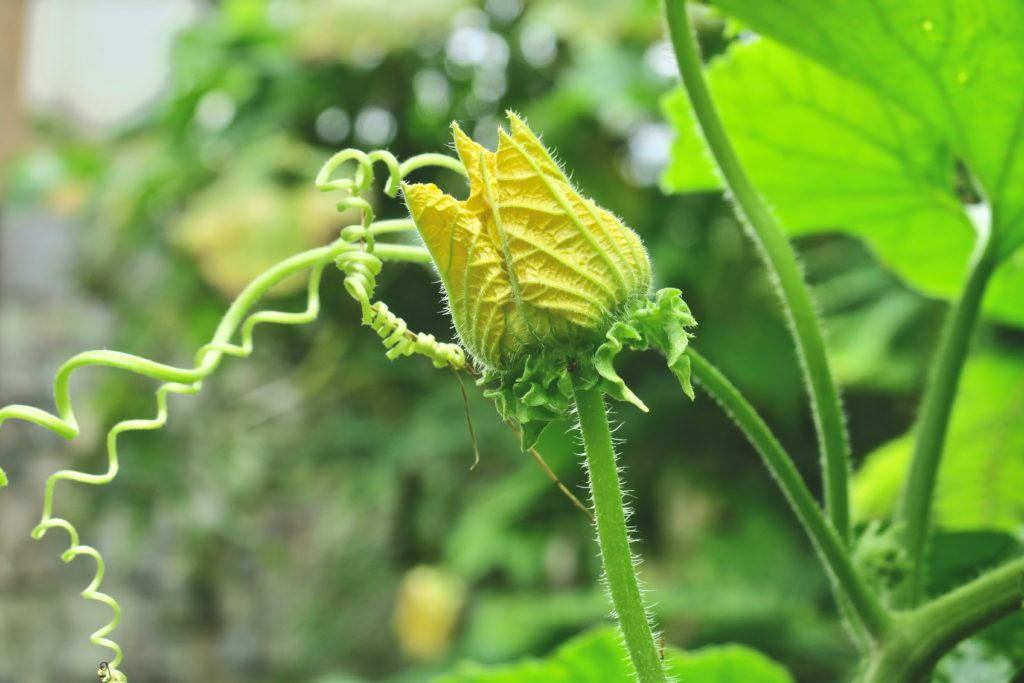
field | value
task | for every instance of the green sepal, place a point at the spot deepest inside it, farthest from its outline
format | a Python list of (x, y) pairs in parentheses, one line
[(530, 433), (660, 323), (540, 391), (620, 336), (681, 369), (664, 324)]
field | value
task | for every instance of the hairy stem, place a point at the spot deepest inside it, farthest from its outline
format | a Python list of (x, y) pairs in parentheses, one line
[(851, 592), (913, 515), (780, 259), (612, 535), (921, 637)]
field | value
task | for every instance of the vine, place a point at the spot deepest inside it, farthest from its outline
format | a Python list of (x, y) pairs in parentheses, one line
[(356, 253)]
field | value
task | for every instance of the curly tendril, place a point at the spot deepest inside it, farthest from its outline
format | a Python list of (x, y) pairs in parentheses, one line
[(362, 266), (357, 253), (176, 380), (353, 253)]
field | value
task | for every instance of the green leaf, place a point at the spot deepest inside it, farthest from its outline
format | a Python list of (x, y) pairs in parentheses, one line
[(596, 657), (954, 64), (955, 556), (726, 664), (829, 153), (981, 482), (599, 657)]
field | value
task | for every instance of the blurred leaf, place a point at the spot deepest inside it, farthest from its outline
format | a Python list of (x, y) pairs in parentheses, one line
[(947, 63), (596, 657), (726, 664), (361, 32), (494, 535), (831, 154), (599, 657), (1007, 636), (245, 222), (954, 557), (981, 482), (503, 627), (862, 341)]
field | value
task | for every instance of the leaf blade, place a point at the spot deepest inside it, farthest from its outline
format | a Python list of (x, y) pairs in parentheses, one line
[(831, 154), (946, 62)]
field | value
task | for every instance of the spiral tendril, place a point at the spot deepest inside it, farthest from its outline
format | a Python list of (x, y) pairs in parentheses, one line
[(175, 380), (362, 265), (354, 254)]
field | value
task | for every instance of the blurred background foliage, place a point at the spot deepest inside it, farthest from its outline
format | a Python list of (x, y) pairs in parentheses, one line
[(312, 514)]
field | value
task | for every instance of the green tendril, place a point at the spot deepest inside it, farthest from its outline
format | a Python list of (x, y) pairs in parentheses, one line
[(361, 266), (176, 380), (356, 253)]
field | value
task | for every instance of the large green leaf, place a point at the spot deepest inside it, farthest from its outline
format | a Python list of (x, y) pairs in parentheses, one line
[(829, 153), (981, 483), (599, 657), (725, 664), (957, 65)]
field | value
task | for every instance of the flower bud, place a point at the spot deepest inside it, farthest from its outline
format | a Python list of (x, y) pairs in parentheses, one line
[(528, 264)]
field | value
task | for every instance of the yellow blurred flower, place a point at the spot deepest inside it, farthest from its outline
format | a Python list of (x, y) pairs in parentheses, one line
[(426, 611)]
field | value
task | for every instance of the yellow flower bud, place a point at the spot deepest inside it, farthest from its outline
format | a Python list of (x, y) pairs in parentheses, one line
[(527, 262)]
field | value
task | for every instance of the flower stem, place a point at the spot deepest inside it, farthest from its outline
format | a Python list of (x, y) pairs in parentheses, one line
[(913, 515), (851, 592), (612, 535), (780, 259)]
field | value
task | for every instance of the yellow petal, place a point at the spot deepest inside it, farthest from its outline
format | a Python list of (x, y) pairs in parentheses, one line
[(479, 294), (629, 255), (572, 264), (475, 157)]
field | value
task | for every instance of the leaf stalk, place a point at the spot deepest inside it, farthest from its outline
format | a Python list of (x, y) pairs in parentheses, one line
[(913, 513), (851, 592), (780, 259)]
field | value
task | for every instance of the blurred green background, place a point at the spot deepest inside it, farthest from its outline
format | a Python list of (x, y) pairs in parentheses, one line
[(311, 515)]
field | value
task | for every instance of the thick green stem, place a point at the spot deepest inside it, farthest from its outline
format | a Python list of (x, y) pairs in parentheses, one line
[(612, 535), (780, 259), (851, 592), (923, 636), (913, 515)]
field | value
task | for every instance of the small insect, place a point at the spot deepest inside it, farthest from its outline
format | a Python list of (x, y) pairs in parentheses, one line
[(104, 673), (572, 365), (661, 649)]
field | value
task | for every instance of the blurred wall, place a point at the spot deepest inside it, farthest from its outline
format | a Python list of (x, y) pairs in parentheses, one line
[(12, 15), (99, 61)]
